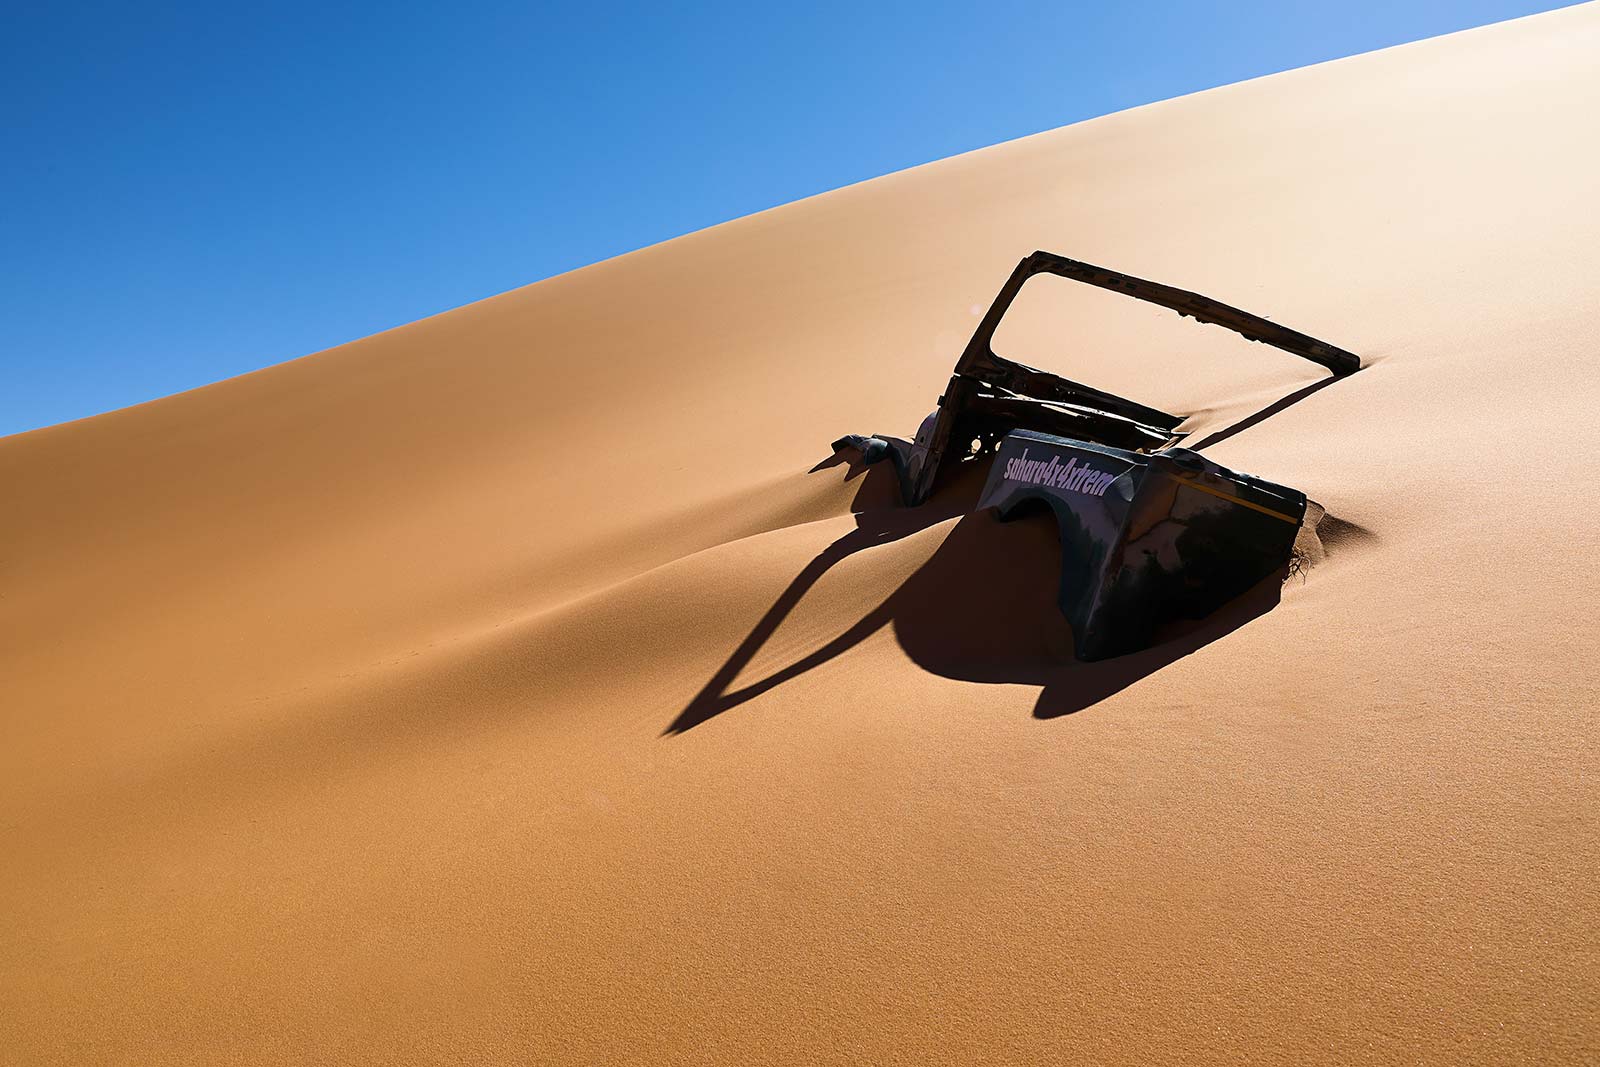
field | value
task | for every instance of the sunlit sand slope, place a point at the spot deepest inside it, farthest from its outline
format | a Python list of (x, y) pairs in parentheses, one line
[(509, 686)]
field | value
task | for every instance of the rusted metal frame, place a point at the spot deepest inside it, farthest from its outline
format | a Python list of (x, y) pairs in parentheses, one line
[(979, 350), (965, 402)]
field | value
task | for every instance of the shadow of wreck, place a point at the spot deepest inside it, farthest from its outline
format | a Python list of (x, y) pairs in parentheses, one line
[(983, 608)]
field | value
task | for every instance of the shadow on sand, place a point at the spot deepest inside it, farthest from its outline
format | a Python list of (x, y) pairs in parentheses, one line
[(981, 609)]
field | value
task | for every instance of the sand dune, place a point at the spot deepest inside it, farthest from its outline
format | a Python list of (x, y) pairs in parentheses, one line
[(509, 686)]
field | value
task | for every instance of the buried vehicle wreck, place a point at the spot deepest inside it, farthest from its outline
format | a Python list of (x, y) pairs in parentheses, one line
[(1149, 531)]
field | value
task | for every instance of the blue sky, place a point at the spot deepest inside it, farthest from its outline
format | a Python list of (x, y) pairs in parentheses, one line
[(194, 191)]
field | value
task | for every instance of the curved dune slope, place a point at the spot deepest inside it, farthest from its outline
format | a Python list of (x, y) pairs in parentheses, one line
[(510, 686)]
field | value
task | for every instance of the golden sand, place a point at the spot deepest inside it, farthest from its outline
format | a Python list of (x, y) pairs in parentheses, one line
[(339, 698)]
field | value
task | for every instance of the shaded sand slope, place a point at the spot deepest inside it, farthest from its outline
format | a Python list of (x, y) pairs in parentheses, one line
[(345, 703)]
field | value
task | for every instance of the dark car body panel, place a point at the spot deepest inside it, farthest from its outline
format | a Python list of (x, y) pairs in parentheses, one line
[(1146, 539)]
